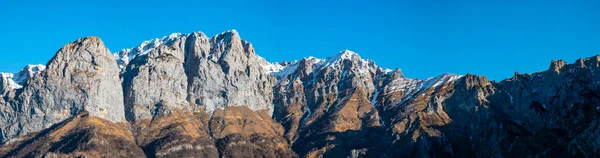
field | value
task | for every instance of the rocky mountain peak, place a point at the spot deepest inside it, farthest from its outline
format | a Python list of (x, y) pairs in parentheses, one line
[(82, 76), (347, 54), (226, 72), (396, 73), (230, 36), (7, 83), (341, 57), (557, 65), (85, 50), (156, 83), (86, 65), (126, 55), (227, 39), (590, 62), (345, 58), (28, 72)]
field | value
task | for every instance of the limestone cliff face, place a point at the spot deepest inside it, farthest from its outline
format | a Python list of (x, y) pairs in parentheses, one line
[(190, 95), (156, 83), (225, 71), (209, 73), (76, 80)]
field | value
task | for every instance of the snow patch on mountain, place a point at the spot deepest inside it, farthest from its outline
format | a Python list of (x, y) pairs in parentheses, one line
[(364, 66), (374, 98), (439, 80), (336, 60), (124, 56), (7, 79), (17, 81), (272, 67), (28, 72), (285, 71), (410, 87), (385, 70)]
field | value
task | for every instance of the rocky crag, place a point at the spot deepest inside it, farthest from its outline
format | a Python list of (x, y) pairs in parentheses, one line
[(188, 95)]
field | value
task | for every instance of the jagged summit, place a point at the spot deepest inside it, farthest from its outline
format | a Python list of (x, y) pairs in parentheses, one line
[(340, 57), (227, 36), (11, 81), (8, 83), (335, 62), (82, 76), (347, 54), (124, 56), (28, 72)]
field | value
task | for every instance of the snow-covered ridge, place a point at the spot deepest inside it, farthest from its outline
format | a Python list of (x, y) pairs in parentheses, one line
[(7, 79), (17, 81), (273, 67), (126, 55), (28, 72), (278, 70), (412, 86), (406, 84), (340, 57)]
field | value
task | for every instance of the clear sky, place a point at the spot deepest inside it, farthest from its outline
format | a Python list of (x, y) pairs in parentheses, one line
[(424, 38)]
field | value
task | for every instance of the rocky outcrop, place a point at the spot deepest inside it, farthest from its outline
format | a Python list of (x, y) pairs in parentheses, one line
[(10, 82), (156, 83), (221, 71), (7, 84), (76, 80), (225, 71)]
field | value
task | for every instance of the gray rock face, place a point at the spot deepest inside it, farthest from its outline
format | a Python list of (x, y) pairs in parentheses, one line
[(82, 76), (156, 83), (225, 71), (28, 72), (214, 73), (7, 83), (126, 55)]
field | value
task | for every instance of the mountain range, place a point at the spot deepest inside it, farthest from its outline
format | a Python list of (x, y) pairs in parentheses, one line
[(190, 95)]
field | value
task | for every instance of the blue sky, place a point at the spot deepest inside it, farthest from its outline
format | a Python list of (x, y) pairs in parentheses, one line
[(424, 38)]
